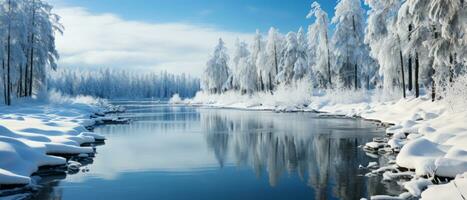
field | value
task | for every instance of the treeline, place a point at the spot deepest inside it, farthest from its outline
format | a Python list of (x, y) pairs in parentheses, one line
[(398, 45), (107, 83), (27, 46)]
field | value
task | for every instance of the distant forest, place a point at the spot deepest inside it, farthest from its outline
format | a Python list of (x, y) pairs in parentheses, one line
[(108, 83)]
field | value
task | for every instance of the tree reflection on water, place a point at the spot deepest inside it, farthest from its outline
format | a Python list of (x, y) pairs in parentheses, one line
[(323, 152)]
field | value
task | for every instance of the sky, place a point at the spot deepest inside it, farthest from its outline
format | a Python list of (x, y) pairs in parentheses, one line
[(173, 35)]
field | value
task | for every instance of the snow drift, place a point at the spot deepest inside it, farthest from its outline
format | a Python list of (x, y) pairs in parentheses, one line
[(33, 131)]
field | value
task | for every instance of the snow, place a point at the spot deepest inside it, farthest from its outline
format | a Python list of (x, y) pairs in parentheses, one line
[(33, 131), (431, 136), (452, 190), (372, 165), (175, 99), (416, 186)]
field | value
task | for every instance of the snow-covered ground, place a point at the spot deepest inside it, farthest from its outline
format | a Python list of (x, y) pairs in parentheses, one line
[(430, 137), (32, 132)]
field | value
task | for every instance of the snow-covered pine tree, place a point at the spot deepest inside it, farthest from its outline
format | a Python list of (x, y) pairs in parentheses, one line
[(248, 80), (42, 53), (240, 52), (289, 58), (101, 83), (449, 48), (415, 29), (348, 41), (385, 45), (258, 48), (319, 46), (301, 68), (217, 71), (12, 20), (270, 60), (27, 39)]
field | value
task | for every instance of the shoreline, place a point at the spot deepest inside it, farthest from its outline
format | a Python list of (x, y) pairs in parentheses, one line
[(415, 125), (46, 137)]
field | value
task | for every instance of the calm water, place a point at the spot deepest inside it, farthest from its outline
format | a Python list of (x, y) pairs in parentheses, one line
[(177, 152)]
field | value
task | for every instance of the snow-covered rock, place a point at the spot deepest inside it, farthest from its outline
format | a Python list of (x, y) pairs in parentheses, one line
[(456, 189), (30, 134)]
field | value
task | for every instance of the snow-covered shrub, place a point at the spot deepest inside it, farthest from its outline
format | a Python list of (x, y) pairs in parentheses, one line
[(175, 99), (295, 94), (455, 94), (55, 97)]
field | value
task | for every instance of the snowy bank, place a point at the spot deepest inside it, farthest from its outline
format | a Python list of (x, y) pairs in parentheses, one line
[(33, 133), (431, 137), (285, 98)]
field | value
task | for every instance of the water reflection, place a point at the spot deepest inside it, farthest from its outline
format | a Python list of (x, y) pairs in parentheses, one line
[(263, 155), (323, 152)]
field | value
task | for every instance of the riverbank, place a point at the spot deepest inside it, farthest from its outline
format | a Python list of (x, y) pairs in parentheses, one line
[(429, 137), (40, 133)]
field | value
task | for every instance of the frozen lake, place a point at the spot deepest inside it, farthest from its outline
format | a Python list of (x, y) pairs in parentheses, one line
[(177, 152)]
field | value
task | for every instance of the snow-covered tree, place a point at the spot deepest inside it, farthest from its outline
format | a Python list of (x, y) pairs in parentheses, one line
[(348, 41), (217, 70), (13, 40), (102, 83), (27, 39), (258, 48), (240, 52), (448, 47), (268, 63), (43, 54), (402, 41), (301, 68), (384, 42), (289, 58), (248, 80), (414, 29), (319, 45)]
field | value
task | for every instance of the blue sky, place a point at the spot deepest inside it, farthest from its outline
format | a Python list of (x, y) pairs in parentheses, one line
[(177, 36), (232, 15)]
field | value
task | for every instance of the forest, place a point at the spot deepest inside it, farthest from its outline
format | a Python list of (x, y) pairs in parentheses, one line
[(129, 85), (408, 47)]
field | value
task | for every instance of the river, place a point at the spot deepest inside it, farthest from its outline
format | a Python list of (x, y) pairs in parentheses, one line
[(180, 152)]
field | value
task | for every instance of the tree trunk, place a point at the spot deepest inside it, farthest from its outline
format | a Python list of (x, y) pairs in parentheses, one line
[(329, 62), (368, 82), (25, 79), (347, 72), (451, 69), (433, 84), (8, 65), (275, 59), (403, 74), (4, 83), (270, 83), (31, 62), (410, 73), (261, 84), (417, 66), (19, 90), (356, 77), (433, 89), (31, 70)]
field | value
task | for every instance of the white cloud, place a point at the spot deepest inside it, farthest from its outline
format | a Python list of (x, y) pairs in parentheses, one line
[(106, 40)]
